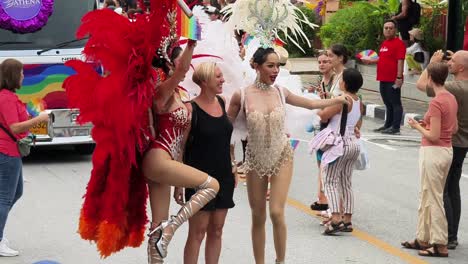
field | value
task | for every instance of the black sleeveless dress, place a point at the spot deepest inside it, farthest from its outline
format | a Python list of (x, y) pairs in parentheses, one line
[(207, 149)]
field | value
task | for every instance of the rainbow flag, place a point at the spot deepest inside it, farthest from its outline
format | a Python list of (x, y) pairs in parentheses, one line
[(35, 106), (188, 27), (294, 143)]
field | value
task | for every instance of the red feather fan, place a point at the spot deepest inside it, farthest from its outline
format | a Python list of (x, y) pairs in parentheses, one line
[(114, 209)]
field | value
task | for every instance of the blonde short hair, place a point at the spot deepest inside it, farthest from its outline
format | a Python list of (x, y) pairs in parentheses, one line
[(204, 72)]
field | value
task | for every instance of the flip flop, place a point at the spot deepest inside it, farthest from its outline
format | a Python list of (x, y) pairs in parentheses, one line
[(436, 253), (415, 245)]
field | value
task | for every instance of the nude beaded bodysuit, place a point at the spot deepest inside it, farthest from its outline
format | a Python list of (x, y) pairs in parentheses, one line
[(268, 145)]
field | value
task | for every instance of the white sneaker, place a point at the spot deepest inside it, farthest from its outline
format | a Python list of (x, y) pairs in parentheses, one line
[(6, 251)]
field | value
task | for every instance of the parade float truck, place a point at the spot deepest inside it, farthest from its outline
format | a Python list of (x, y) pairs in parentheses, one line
[(41, 34)]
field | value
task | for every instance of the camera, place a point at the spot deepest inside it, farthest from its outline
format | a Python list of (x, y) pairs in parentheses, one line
[(447, 55)]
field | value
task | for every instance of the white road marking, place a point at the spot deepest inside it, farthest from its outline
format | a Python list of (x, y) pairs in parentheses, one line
[(379, 145)]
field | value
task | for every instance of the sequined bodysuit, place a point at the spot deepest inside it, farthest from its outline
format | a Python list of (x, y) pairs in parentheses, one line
[(267, 145), (170, 131)]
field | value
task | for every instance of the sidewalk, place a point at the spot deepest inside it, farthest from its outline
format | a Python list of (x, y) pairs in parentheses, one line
[(307, 68)]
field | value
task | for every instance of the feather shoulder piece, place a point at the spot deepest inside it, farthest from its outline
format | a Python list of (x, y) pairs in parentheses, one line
[(264, 19)]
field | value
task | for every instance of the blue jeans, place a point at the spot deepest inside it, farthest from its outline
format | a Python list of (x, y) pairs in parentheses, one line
[(11, 186)]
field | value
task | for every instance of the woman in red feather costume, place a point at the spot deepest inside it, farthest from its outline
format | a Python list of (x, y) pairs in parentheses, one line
[(121, 105)]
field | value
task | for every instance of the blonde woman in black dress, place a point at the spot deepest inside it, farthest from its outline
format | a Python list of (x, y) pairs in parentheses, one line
[(207, 149)]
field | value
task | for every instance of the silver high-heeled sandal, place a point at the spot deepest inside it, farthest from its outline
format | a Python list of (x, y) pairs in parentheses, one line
[(163, 241), (153, 254)]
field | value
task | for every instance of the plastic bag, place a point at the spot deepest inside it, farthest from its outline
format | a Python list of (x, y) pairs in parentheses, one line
[(362, 163)]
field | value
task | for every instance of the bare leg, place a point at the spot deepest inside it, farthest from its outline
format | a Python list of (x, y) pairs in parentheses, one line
[(214, 236), (159, 196), (256, 189), (322, 199), (198, 225), (279, 194), (160, 168)]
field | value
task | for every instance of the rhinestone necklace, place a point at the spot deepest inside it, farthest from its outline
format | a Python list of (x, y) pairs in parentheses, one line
[(262, 86)]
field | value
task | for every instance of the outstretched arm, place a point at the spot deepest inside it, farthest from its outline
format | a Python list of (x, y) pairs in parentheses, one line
[(303, 102), (24, 126), (182, 66)]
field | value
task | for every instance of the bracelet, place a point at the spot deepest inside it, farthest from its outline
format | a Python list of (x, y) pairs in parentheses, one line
[(399, 78), (233, 163)]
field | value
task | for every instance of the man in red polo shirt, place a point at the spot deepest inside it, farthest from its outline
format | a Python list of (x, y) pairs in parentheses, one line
[(390, 74)]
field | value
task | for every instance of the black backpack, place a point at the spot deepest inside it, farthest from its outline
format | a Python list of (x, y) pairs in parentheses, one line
[(414, 14)]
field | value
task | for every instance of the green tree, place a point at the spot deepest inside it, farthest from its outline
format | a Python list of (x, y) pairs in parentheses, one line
[(358, 27)]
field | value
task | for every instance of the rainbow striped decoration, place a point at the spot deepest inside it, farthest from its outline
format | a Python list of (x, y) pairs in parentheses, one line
[(188, 27), (42, 87), (246, 39), (35, 106), (294, 143)]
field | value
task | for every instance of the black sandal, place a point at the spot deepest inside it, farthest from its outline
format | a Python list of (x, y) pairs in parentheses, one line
[(348, 227), (318, 206), (434, 253), (333, 228)]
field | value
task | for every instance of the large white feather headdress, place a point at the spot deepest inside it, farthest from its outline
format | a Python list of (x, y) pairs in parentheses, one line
[(263, 19)]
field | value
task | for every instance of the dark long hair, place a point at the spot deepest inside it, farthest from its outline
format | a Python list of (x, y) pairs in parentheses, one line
[(161, 62)]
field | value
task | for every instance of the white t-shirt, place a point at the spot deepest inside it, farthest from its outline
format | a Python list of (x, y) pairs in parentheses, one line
[(416, 47)]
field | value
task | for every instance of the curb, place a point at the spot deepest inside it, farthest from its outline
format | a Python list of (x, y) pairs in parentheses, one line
[(378, 111), (304, 72)]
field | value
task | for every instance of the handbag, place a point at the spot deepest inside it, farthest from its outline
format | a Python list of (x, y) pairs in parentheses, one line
[(331, 138), (362, 163), (419, 56), (24, 144)]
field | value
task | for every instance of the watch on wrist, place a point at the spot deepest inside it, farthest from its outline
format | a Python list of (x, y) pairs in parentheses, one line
[(399, 78)]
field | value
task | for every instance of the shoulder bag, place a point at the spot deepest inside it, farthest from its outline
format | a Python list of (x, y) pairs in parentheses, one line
[(24, 144)]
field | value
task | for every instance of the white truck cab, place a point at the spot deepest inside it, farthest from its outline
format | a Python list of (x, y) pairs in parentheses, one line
[(43, 54)]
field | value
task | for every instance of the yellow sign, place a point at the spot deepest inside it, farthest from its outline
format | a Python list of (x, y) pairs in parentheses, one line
[(40, 129)]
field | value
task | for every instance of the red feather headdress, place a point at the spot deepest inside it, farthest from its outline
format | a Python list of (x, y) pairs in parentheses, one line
[(114, 209)]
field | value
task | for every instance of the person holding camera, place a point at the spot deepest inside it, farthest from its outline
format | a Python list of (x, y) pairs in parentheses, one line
[(14, 120), (435, 157), (458, 66)]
